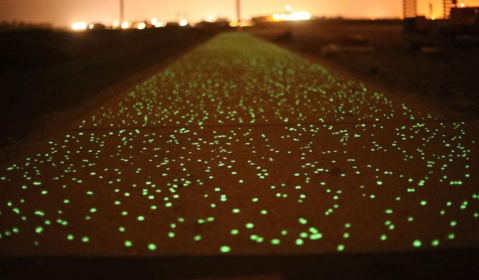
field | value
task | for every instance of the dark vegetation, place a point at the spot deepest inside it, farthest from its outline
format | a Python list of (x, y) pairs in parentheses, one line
[(45, 74), (443, 76)]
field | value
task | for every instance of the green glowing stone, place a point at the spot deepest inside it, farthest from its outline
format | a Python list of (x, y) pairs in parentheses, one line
[(85, 239), (299, 241), (128, 243), (152, 247), (141, 218), (225, 249), (435, 243), (340, 247), (416, 243), (249, 225)]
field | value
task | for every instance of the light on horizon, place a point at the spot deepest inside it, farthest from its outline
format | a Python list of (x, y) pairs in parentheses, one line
[(79, 26), (125, 25), (183, 22), (288, 8), (295, 16)]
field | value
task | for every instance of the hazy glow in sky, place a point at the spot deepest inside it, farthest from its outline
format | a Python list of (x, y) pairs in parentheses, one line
[(64, 12)]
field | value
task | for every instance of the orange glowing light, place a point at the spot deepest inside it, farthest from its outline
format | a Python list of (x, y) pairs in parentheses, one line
[(78, 26), (295, 16), (125, 25)]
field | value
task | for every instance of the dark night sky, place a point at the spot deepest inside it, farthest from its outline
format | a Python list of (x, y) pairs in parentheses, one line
[(64, 12)]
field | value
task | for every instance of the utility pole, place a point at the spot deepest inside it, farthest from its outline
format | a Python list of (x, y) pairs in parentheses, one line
[(122, 11), (238, 13)]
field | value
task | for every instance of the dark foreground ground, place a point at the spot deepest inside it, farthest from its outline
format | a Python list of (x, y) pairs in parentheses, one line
[(444, 77), (47, 77)]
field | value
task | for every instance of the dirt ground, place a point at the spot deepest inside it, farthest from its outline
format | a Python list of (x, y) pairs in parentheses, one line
[(444, 78), (47, 77)]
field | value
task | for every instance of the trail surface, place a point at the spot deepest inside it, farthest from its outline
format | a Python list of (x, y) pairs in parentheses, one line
[(241, 147)]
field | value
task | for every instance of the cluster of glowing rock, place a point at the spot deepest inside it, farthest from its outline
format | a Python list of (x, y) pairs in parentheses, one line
[(186, 164), (237, 79)]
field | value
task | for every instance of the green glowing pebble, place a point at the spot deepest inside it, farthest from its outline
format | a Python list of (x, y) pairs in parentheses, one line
[(171, 234), (249, 225), (141, 218), (299, 242), (234, 232), (85, 239), (236, 210), (417, 243), (383, 237), (197, 238), (121, 229), (39, 230), (435, 243), (128, 243), (423, 202), (151, 247), (316, 236), (340, 247), (303, 221), (284, 232), (275, 241), (225, 249), (70, 237)]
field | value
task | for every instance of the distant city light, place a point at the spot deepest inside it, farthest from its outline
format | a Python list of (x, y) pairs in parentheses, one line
[(154, 21), (141, 26), (463, 5), (125, 25), (79, 26), (116, 24), (288, 8), (235, 23), (183, 22), (292, 16), (91, 26), (210, 18), (160, 24)]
